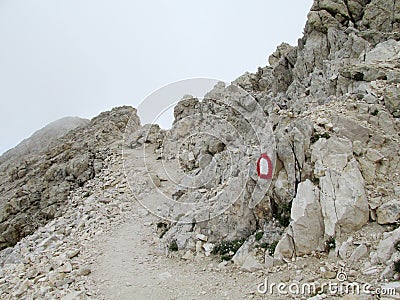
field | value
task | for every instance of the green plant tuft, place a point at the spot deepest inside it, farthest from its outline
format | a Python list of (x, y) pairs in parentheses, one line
[(269, 247), (259, 235), (282, 214), (375, 112), (316, 136), (397, 246), (396, 266), (173, 246), (330, 243), (226, 249)]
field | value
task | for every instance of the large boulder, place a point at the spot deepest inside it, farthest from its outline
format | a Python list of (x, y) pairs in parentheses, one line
[(343, 200), (392, 100), (389, 212), (307, 221)]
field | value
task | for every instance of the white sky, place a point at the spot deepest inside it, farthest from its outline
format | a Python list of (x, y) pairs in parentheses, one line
[(81, 57)]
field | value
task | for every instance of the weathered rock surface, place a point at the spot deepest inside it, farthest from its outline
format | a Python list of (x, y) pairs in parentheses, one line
[(389, 213), (332, 109), (34, 188)]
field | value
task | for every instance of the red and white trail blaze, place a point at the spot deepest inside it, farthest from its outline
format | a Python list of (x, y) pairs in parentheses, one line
[(264, 167)]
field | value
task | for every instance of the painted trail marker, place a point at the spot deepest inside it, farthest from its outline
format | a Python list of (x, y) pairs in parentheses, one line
[(264, 167)]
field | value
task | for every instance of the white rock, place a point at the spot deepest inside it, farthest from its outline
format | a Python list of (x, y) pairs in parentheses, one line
[(358, 253), (208, 247), (241, 255), (73, 296), (268, 260), (343, 200), (388, 213), (66, 268), (188, 255), (344, 248), (371, 270), (251, 264), (23, 287), (307, 224), (285, 247), (199, 246), (201, 237), (386, 246)]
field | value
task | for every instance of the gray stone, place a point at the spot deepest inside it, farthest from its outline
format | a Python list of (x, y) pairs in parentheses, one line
[(392, 100), (386, 246), (374, 155), (343, 200), (358, 253), (358, 148), (268, 260), (344, 248), (251, 264), (243, 252), (307, 222), (285, 247), (389, 212), (75, 295)]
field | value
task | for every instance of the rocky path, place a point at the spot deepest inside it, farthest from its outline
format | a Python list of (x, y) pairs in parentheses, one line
[(129, 268), (131, 265)]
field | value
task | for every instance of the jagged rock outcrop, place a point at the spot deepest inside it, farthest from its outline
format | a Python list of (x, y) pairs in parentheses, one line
[(325, 111), (34, 188), (332, 101)]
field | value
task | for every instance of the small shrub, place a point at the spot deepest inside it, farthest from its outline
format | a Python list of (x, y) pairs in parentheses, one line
[(358, 76), (161, 225), (226, 248), (330, 244), (269, 247), (316, 136), (173, 246), (375, 112), (315, 180), (259, 235), (325, 135), (396, 266), (162, 228), (283, 214), (397, 246), (226, 257)]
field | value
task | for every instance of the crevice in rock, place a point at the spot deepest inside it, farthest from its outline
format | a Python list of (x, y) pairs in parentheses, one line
[(334, 199), (393, 15), (346, 3), (297, 170)]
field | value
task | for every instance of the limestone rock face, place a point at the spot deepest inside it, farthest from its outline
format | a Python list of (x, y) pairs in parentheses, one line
[(392, 100), (307, 224), (389, 212), (332, 101), (327, 112)]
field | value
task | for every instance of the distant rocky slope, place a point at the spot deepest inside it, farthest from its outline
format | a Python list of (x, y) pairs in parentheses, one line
[(43, 137), (34, 186)]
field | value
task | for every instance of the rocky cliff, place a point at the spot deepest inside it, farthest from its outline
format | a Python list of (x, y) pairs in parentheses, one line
[(333, 104)]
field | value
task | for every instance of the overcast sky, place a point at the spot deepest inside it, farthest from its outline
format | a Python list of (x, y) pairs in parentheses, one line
[(81, 57)]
